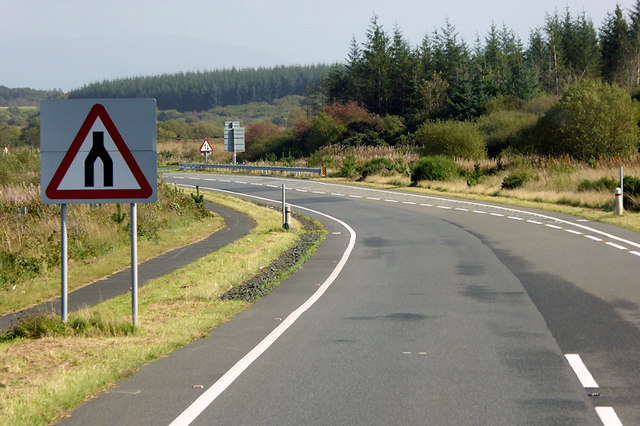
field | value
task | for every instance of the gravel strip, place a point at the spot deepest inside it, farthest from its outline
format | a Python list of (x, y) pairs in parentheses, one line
[(270, 276)]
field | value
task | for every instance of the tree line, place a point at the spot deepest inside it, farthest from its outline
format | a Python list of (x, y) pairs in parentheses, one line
[(200, 91), (444, 77)]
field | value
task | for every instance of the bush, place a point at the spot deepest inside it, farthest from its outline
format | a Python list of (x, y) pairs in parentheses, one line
[(602, 184), (504, 128), (592, 120), (458, 139), (433, 168), (514, 180), (348, 166), (376, 166)]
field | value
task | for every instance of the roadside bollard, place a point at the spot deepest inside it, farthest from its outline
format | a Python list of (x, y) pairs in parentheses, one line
[(287, 217), (619, 205)]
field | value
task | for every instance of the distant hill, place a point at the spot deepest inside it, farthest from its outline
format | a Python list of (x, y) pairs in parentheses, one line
[(26, 96), (200, 91)]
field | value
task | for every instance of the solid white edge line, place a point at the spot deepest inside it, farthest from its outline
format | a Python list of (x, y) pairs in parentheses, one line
[(201, 404), (608, 416), (585, 377)]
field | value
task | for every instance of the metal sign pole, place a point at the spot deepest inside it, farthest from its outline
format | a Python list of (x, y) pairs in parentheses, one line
[(134, 264), (63, 263)]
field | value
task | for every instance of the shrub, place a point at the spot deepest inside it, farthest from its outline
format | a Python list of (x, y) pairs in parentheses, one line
[(504, 128), (458, 139), (592, 120), (514, 180), (433, 168), (376, 166), (348, 166), (602, 184)]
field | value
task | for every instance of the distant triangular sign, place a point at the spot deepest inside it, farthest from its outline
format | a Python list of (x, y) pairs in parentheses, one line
[(76, 177), (205, 146)]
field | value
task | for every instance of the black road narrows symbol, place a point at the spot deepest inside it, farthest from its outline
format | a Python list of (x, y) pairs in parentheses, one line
[(98, 151)]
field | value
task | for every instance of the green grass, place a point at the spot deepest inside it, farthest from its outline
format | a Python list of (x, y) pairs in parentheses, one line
[(45, 377)]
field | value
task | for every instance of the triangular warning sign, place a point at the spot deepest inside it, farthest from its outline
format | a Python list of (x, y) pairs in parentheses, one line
[(98, 164), (206, 147)]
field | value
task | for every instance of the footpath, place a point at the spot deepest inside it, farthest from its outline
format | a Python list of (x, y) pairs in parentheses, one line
[(236, 226)]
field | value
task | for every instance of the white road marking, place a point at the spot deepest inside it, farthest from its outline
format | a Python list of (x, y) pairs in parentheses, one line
[(271, 186), (618, 246), (591, 237), (409, 202), (373, 198), (552, 226), (581, 371), (514, 218), (608, 416), (460, 209), (535, 222), (302, 190), (240, 181), (637, 253), (444, 207), (391, 201), (201, 404), (355, 196), (256, 184), (337, 194), (426, 204), (571, 231), (318, 192), (479, 212), (211, 180), (496, 214)]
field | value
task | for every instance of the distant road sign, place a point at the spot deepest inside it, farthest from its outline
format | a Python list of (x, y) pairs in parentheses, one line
[(205, 147), (98, 151), (233, 137), (6, 149)]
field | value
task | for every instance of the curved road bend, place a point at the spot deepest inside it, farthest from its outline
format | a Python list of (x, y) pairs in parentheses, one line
[(447, 312), (236, 225)]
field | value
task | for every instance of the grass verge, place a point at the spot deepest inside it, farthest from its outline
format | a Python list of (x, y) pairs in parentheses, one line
[(41, 379)]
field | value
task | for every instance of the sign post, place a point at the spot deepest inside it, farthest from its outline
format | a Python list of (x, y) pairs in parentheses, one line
[(205, 149), (98, 151)]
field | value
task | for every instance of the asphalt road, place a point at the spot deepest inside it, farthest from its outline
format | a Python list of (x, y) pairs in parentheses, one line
[(444, 312)]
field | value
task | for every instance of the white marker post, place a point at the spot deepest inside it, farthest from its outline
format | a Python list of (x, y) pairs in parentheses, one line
[(284, 210)]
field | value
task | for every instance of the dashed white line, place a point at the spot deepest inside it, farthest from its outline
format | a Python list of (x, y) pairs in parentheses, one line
[(460, 209), (318, 192), (337, 194), (479, 212), (496, 214), (618, 246), (552, 226), (608, 416), (271, 186), (355, 196), (240, 181), (210, 180), (591, 237), (585, 377), (302, 190), (571, 231), (535, 222), (426, 204), (256, 184), (637, 253), (409, 202), (373, 198), (391, 201), (444, 207), (514, 218)]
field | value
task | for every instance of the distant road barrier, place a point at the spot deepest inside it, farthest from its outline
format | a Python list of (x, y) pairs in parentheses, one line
[(264, 169)]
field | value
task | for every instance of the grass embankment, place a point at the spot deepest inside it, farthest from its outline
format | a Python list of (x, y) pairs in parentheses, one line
[(43, 378)]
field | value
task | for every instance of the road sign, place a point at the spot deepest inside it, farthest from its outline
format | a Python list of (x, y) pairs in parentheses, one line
[(205, 147), (98, 151), (6, 149), (233, 137)]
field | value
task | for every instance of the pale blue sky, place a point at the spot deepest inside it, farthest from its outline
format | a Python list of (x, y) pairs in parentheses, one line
[(65, 44)]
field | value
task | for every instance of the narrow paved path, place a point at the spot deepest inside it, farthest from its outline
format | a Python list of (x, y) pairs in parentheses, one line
[(236, 226)]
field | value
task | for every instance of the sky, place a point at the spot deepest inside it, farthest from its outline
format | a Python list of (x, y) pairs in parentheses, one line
[(65, 44)]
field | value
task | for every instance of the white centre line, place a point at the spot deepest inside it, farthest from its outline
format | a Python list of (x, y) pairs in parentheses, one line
[(496, 214), (591, 237), (585, 377), (608, 416), (514, 218), (535, 222), (552, 226), (637, 253), (409, 202), (256, 184), (355, 196), (460, 209), (571, 231), (271, 186), (618, 246), (391, 201), (302, 190), (337, 194), (444, 207), (318, 192), (426, 204), (373, 198), (479, 212)]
